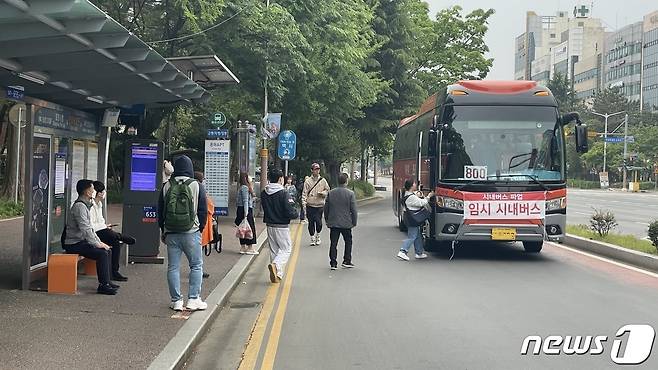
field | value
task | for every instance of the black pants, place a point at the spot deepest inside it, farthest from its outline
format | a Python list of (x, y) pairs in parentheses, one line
[(314, 215), (239, 216), (113, 239), (334, 234), (100, 255)]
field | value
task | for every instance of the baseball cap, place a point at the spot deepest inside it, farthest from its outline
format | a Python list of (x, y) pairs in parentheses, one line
[(314, 166)]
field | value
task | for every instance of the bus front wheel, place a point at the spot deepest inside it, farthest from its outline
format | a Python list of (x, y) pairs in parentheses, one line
[(533, 247), (401, 224)]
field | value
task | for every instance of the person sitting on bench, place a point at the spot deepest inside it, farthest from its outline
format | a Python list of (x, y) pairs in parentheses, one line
[(79, 237), (105, 232)]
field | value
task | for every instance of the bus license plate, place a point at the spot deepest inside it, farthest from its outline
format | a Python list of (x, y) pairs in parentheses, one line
[(499, 233)]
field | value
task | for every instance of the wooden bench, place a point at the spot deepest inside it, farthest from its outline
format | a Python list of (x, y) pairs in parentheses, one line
[(63, 272)]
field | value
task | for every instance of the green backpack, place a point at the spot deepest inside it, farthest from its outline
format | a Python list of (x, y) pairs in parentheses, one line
[(179, 206)]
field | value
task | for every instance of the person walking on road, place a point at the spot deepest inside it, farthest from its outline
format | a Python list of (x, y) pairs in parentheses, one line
[(278, 210), (314, 194), (412, 202), (182, 215), (79, 237), (292, 191), (340, 214), (245, 209)]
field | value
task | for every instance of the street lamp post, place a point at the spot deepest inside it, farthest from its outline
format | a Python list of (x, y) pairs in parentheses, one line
[(605, 137)]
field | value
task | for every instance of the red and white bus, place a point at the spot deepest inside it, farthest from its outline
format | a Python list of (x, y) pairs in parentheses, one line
[(494, 153)]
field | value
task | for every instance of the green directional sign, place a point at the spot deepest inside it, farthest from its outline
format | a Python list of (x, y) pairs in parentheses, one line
[(218, 119)]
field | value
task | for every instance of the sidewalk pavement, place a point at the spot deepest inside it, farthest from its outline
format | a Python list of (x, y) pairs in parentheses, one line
[(89, 330)]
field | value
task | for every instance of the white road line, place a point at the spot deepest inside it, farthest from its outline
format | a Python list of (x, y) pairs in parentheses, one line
[(629, 267)]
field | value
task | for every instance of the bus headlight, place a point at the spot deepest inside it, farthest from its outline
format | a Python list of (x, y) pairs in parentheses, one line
[(557, 203), (451, 203)]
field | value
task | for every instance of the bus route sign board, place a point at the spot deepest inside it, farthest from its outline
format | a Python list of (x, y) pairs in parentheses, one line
[(504, 206), (287, 149)]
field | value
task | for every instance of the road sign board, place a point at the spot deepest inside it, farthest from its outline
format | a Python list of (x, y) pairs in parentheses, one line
[(218, 119), (630, 139), (218, 134), (613, 139), (287, 145)]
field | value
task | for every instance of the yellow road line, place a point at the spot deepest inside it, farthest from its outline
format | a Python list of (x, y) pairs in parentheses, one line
[(275, 333), (250, 356), (258, 333)]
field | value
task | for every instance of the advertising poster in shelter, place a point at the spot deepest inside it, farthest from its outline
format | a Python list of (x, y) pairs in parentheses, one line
[(40, 201)]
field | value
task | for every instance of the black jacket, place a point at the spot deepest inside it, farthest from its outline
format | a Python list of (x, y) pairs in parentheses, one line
[(278, 206), (183, 167)]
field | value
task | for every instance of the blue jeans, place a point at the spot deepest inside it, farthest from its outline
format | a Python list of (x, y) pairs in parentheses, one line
[(413, 237), (190, 244)]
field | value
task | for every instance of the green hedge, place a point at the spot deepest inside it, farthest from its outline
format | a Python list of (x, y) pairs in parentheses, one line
[(583, 184), (9, 209), (622, 240), (362, 189), (647, 185)]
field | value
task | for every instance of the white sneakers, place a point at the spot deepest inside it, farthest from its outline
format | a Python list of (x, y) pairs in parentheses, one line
[(177, 306), (403, 256), (196, 304), (192, 305), (315, 240)]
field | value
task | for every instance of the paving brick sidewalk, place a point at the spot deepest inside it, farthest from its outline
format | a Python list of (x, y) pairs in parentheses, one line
[(88, 330)]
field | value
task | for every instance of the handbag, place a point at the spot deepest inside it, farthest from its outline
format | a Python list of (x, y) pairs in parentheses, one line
[(415, 218), (244, 231)]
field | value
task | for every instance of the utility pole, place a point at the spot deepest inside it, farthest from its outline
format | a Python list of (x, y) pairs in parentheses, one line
[(625, 161), (605, 137), (263, 151)]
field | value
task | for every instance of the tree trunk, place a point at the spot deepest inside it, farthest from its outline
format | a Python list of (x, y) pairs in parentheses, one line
[(9, 185), (374, 171), (352, 165), (333, 170)]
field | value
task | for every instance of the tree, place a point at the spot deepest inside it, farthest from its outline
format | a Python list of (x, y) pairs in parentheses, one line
[(396, 25), (453, 49), (564, 93)]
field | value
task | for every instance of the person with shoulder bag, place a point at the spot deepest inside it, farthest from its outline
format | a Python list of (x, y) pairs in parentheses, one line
[(415, 215), (314, 196), (245, 211)]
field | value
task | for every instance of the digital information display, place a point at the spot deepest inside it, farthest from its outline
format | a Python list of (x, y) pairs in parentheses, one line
[(144, 168), (217, 164)]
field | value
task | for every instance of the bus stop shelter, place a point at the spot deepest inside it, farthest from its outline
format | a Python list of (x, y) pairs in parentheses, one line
[(72, 67)]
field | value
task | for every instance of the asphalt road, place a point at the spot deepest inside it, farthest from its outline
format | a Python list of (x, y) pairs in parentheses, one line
[(469, 313), (633, 211)]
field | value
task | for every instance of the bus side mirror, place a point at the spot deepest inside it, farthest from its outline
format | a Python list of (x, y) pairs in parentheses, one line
[(581, 139), (431, 143)]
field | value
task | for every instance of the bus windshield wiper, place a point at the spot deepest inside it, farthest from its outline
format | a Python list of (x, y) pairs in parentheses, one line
[(533, 178)]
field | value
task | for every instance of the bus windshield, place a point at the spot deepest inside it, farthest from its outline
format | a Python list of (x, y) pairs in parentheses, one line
[(512, 143)]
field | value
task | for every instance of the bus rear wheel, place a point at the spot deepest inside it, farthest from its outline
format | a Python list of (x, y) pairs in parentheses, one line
[(533, 247)]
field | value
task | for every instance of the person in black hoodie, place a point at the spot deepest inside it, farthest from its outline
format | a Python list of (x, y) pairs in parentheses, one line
[(278, 209), (186, 240)]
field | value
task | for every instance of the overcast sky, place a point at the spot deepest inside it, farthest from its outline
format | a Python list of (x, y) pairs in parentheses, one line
[(509, 21)]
